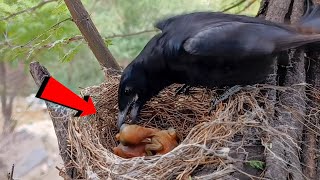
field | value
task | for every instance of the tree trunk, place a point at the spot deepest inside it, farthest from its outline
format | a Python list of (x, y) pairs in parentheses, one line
[(60, 117), (295, 73), (311, 147), (4, 97), (90, 33), (7, 96)]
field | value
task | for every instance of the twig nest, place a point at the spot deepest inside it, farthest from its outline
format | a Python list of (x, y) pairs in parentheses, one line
[(206, 140)]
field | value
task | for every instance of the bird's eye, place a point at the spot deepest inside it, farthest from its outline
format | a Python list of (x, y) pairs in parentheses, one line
[(127, 91)]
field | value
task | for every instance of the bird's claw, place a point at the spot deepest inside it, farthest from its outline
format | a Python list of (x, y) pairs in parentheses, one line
[(230, 92)]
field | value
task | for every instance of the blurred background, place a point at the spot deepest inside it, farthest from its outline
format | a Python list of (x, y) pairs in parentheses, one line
[(42, 30)]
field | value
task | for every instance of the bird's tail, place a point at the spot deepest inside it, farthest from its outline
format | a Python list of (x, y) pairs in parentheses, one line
[(296, 41), (311, 18), (308, 28)]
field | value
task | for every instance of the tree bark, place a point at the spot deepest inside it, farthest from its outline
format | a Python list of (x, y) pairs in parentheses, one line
[(82, 19), (295, 73), (275, 168), (310, 148), (311, 145), (59, 116)]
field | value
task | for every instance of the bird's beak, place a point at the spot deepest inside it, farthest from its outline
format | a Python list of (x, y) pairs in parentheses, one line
[(134, 112), (122, 116)]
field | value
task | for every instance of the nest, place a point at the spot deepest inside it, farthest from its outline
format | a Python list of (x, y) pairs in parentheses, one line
[(206, 140)]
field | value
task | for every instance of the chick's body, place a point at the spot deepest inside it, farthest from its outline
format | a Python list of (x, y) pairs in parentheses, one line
[(134, 134), (130, 151), (163, 142)]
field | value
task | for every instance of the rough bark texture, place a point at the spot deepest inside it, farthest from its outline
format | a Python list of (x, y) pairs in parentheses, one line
[(314, 156), (277, 10), (297, 11), (294, 74), (275, 168), (311, 146), (59, 116), (82, 19)]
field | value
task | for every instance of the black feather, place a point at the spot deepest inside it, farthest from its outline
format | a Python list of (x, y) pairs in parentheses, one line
[(211, 50)]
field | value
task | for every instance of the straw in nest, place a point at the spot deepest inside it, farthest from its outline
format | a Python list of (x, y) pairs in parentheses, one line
[(205, 140)]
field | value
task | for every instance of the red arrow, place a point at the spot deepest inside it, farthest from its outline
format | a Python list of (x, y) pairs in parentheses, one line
[(53, 91)]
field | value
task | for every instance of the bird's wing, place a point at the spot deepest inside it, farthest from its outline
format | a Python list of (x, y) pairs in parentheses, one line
[(238, 38)]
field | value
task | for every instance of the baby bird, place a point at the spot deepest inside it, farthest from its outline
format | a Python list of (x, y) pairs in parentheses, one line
[(130, 151), (162, 142), (134, 134)]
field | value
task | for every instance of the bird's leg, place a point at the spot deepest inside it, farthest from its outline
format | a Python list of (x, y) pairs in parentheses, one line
[(185, 89), (233, 90)]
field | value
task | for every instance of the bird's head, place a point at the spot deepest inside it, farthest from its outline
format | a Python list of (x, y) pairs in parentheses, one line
[(132, 93), (140, 80)]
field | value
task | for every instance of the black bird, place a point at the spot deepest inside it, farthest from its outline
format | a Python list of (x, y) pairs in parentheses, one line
[(209, 49)]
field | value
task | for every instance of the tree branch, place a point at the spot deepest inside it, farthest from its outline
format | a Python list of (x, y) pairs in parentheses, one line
[(90, 33), (52, 27), (79, 38), (233, 6), (3, 90), (42, 3), (59, 116), (31, 48), (131, 34)]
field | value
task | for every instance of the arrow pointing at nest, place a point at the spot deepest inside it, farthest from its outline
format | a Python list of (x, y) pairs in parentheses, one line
[(53, 91)]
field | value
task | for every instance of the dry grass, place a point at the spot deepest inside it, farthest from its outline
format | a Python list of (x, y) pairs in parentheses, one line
[(204, 139)]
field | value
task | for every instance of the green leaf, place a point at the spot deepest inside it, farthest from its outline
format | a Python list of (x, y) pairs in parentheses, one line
[(7, 9), (257, 164), (108, 42)]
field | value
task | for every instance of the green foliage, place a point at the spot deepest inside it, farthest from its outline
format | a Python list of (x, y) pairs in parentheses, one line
[(127, 16), (28, 33), (47, 33), (108, 42), (257, 164)]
